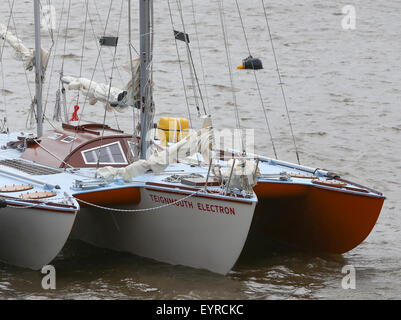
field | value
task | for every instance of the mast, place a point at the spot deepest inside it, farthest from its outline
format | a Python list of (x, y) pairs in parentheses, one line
[(38, 69), (146, 101)]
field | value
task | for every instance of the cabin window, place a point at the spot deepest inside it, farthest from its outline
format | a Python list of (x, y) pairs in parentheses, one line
[(68, 139), (132, 147), (55, 136), (107, 154)]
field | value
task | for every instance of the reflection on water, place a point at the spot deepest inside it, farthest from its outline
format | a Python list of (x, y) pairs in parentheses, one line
[(86, 272)]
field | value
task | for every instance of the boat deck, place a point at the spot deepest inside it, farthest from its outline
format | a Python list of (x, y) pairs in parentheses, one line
[(77, 181), (271, 171)]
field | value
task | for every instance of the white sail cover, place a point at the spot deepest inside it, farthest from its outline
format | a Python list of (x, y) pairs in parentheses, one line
[(119, 99), (241, 169), (200, 141), (241, 173), (95, 91), (21, 52)]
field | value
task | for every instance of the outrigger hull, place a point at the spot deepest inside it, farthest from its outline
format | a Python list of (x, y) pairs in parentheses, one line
[(202, 231), (313, 217), (32, 235)]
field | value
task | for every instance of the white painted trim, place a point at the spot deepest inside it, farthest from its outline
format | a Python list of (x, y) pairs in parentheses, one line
[(103, 146), (55, 136), (63, 140)]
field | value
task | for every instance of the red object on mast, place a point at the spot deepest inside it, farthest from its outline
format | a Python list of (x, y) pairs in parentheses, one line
[(74, 116)]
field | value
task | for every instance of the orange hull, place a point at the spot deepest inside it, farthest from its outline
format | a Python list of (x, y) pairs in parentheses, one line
[(314, 218), (112, 197)]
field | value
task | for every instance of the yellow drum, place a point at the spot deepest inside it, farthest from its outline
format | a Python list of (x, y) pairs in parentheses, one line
[(172, 129)]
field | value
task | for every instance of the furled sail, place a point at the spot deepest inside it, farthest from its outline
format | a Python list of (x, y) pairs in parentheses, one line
[(97, 91), (118, 99), (242, 172), (238, 170), (21, 52)]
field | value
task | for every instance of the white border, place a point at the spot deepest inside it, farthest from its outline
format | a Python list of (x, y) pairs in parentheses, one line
[(103, 146), (53, 136), (73, 139), (130, 148)]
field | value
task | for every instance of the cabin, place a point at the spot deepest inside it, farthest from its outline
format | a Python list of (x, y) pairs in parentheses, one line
[(88, 145)]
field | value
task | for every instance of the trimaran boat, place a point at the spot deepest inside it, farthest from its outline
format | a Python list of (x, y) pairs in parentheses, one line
[(178, 200), (202, 221)]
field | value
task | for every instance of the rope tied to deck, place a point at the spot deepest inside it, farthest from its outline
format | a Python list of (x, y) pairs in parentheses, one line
[(138, 210)]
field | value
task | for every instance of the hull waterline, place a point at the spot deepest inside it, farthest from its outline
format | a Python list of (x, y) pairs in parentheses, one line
[(32, 237), (201, 232)]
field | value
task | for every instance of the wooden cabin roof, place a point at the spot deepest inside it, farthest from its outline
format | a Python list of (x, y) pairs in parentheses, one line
[(65, 145)]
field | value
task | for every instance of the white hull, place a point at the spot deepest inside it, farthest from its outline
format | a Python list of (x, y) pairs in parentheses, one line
[(204, 233), (32, 237)]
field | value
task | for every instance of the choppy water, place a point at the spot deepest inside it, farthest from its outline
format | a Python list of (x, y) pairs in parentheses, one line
[(343, 91)]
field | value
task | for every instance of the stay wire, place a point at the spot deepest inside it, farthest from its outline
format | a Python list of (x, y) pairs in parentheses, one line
[(228, 57), (54, 57), (50, 51), (110, 49), (257, 81), (200, 54), (280, 82), (108, 96), (93, 74), (5, 122), (16, 34), (179, 63), (130, 47), (191, 61)]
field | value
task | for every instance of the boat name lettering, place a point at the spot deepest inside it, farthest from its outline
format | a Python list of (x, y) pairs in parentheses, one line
[(207, 207)]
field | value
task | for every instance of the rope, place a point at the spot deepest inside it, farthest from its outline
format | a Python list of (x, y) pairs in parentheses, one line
[(16, 34), (52, 154), (138, 210), (41, 10), (83, 40), (95, 37), (93, 74), (257, 81), (65, 37), (110, 49), (200, 55), (280, 81), (108, 95), (130, 47), (192, 69), (228, 57), (97, 60), (54, 58), (5, 124), (8, 26), (179, 63)]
